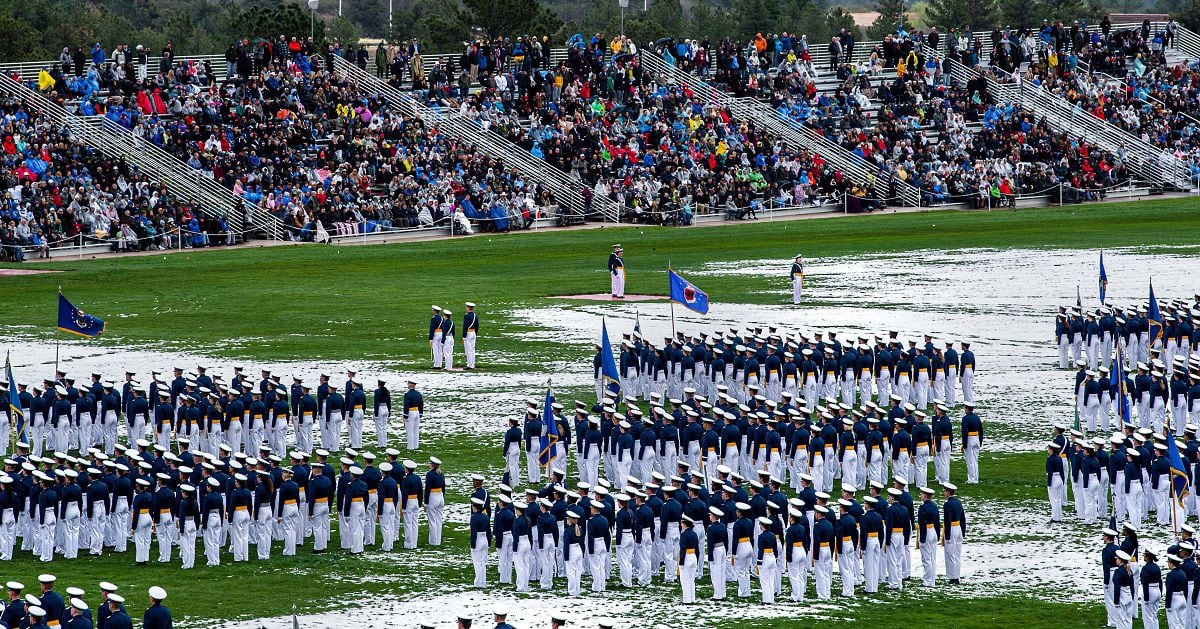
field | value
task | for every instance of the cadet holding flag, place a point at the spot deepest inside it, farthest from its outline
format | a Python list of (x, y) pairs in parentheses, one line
[(609, 376), (549, 435), (1103, 278), (1154, 320), (16, 413), (1179, 481)]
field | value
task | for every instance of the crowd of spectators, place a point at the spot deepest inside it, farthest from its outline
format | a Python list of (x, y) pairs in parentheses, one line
[(281, 129), (57, 190)]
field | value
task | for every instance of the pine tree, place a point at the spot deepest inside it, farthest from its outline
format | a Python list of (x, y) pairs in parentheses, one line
[(947, 14), (889, 14)]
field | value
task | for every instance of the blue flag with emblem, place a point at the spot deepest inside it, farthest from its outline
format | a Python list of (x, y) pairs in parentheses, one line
[(1179, 476), (549, 432), (15, 413), (76, 321), (608, 366), (1103, 277), (1155, 319), (687, 294)]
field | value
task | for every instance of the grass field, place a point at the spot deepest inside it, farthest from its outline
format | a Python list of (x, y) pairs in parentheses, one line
[(369, 304)]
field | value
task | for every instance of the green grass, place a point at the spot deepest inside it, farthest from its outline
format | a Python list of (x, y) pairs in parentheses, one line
[(371, 304)]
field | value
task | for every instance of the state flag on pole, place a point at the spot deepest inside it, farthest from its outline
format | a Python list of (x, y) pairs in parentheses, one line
[(608, 366), (1155, 317), (687, 294), (76, 321), (1103, 277)]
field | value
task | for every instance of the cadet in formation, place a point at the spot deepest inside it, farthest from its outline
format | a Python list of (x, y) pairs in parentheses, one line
[(212, 414), (683, 510), (48, 608), (62, 505)]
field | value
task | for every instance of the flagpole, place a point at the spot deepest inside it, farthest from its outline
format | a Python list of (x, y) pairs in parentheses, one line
[(57, 340), (12, 385), (672, 306)]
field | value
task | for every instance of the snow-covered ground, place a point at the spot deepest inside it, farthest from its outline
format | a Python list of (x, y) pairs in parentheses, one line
[(1001, 300)]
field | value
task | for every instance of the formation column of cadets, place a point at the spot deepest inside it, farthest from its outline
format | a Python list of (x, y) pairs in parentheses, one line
[(58, 507)]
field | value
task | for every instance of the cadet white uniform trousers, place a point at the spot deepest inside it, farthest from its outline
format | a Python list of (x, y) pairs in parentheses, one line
[(469, 348), (411, 512), (479, 553), (505, 549), (187, 543), (212, 539), (436, 344), (141, 538), (574, 568), (356, 428), (823, 572), (320, 524), (872, 558), (448, 352), (239, 534), (353, 531), (598, 563), (522, 558), (929, 557), (896, 552), (716, 572), (768, 573), (687, 577), (546, 561), (71, 524), (435, 510), (381, 419), (742, 560), (389, 525), (797, 571), (8, 535), (412, 429)]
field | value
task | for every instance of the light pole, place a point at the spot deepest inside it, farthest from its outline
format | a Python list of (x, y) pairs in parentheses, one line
[(624, 5), (312, 19)]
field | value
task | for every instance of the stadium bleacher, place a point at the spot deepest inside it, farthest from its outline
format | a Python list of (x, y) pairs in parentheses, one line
[(275, 140)]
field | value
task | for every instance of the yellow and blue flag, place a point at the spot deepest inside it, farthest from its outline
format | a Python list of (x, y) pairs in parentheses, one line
[(687, 294), (608, 366), (76, 321), (1155, 317), (1103, 277), (550, 433), (14, 400), (1179, 476)]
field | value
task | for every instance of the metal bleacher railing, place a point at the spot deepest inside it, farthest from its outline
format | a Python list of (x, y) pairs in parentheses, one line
[(205, 195), (1155, 165), (792, 132), (566, 189)]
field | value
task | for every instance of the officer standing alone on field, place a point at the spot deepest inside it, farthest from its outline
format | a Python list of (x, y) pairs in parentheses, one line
[(797, 275), (616, 267)]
